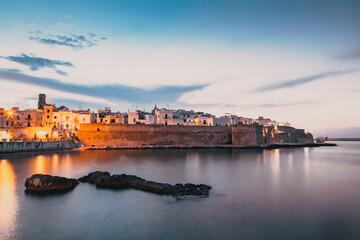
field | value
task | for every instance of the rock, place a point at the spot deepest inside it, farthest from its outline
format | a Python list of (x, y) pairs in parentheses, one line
[(94, 177), (40, 183), (122, 181)]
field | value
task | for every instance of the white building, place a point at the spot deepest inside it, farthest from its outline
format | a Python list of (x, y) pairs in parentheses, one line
[(222, 121), (137, 117), (164, 116)]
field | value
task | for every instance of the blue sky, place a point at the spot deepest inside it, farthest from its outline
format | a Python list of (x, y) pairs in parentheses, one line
[(294, 61)]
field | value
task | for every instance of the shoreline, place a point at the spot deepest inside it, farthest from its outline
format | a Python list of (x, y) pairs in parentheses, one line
[(268, 146), (259, 147)]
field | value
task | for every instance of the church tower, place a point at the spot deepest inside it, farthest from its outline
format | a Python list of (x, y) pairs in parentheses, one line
[(42, 101)]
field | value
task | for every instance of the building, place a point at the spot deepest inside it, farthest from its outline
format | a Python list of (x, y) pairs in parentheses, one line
[(222, 121), (266, 121), (137, 117), (108, 117), (66, 120), (245, 121), (42, 101)]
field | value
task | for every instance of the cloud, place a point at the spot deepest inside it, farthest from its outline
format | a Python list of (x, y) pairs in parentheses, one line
[(76, 104), (354, 54), (73, 41), (274, 105), (35, 62), (300, 81), (266, 105), (62, 73), (91, 35), (112, 92)]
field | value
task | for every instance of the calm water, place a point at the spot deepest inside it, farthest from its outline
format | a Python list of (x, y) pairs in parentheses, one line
[(307, 193)]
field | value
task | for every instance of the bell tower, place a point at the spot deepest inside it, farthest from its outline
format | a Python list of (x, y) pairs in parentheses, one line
[(42, 101)]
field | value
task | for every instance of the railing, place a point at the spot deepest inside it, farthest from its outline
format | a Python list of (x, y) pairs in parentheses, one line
[(37, 140)]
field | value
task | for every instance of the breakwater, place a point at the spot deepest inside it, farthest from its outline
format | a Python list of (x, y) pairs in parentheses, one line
[(31, 146), (141, 136)]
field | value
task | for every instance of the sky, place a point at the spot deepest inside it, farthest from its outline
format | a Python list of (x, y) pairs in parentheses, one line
[(292, 61)]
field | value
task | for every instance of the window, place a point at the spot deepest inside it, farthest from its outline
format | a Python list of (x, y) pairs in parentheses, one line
[(134, 120), (28, 124), (47, 116), (101, 120), (188, 115), (48, 110), (54, 117), (29, 117), (166, 123), (166, 116)]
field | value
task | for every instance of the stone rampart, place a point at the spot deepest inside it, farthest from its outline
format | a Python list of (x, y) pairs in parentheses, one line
[(247, 134), (117, 135), (25, 146)]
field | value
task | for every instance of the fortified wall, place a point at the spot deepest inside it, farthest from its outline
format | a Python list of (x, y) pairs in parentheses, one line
[(23, 146), (116, 135)]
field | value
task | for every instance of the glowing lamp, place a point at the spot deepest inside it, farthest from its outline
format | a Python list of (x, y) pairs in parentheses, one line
[(41, 133)]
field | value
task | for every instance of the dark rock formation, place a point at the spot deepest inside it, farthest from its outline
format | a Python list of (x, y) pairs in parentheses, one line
[(121, 181), (40, 183), (94, 177)]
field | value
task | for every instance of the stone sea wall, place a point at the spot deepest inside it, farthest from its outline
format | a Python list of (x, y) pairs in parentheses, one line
[(116, 135), (29, 146)]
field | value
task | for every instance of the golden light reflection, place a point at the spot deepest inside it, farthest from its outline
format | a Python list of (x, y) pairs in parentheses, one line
[(55, 163), (8, 200), (66, 165), (52, 164), (40, 164)]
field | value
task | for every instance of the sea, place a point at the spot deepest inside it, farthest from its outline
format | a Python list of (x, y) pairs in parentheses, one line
[(290, 193)]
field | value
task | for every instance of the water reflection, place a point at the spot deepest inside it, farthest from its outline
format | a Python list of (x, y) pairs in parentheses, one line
[(40, 164), (52, 164), (306, 163), (268, 193), (8, 200)]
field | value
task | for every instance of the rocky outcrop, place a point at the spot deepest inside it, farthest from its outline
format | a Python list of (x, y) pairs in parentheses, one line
[(40, 183), (121, 181), (94, 177)]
